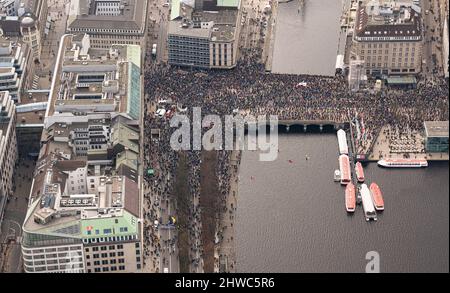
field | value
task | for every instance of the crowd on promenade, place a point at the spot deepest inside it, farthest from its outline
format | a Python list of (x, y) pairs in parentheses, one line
[(249, 89)]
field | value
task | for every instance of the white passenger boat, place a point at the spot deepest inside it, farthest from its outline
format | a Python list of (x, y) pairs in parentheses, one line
[(403, 163)]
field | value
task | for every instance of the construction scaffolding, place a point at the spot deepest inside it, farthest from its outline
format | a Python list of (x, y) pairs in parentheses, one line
[(356, 76)]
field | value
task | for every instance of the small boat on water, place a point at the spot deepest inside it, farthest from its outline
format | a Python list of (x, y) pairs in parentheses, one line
[(344, 168), (342, 142), (377, 197), (350, 198), (337, 175), (369, 209), (403, 163), (359, 172)]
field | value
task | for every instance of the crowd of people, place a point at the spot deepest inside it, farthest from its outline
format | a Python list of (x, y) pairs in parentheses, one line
[(249, 89), (194, 222), (160, 161)]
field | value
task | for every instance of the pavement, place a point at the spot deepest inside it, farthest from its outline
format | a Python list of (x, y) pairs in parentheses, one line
[(269, 44), (157, 23), (57, 10), (225, 254), (252, 22), (433, 38), (11, 228), (409, 144), (169, 251)]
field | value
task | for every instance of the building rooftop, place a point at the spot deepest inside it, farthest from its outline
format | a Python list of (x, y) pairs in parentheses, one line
[(436, 128), (130, 17), (386, 20), (109, 82), (176, 28), (217, 25), (66, 190)]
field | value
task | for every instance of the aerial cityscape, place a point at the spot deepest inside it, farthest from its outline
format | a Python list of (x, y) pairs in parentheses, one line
[(224, 136)]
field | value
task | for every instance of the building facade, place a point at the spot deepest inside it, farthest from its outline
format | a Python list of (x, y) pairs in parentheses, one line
[(388, 37), (14, 68), (9, 7), (84, 212), (8, 148), (28, 21), (31, 34), (109, 22), (204, 39)]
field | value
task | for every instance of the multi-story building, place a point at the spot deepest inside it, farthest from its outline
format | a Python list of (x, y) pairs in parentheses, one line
[(39, 9), (14, 67), (109, 22), (388, 37), (204, 38), (9, 7), (84, 211), (81, 222), (28, 21), (88, 83), (31, 34), (8, 148)]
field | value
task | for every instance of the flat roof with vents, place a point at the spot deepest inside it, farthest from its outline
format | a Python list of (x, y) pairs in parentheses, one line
[(436, 128)]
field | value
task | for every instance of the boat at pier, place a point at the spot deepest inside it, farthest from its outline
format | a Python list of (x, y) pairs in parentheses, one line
[(403, 163), (350, 198), (344, 168), (359, 172), (369, 209), (342, 141), (377, 197)]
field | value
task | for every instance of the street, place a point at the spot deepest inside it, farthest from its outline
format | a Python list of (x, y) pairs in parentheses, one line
[(11, 228), (432, 54)]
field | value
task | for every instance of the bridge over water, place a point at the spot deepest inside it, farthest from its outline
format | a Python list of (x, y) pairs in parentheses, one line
[(305, 125)]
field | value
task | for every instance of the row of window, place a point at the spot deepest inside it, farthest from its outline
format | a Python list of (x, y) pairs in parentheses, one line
[(401, 38), (106, 262), (387, 45), (103, 248), (75, 249), (385, 65), (110, 239), (106, 269), (103, 255), (97, 30)]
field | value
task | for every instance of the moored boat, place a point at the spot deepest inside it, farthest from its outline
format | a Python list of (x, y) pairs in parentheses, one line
[(342, 142), (359, 172), (377, 197), (403, 163), (350, 198), (344, 168), (369, 209)]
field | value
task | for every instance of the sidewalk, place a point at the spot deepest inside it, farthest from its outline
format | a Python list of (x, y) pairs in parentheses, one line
[(225, 253)]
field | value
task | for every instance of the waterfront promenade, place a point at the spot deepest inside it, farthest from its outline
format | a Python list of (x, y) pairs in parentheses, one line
[(393, 145)]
